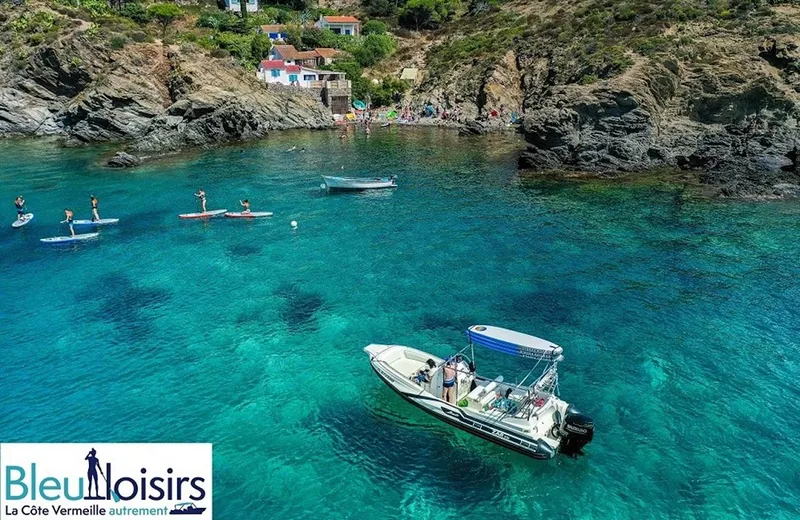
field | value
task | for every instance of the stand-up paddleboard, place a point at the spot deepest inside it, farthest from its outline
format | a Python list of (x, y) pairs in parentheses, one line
[(252, 214), (27, 217), (101, 222), (68, 239), (205, 214)]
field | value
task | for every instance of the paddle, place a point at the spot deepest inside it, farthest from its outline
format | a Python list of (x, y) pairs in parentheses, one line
[(114, 494)]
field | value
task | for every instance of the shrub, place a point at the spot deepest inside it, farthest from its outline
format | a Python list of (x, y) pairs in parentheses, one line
[(315, 37), (138, 36), (373, 27), (164, 14), (220, 53), (371, 49), (118, 41), (387, 92), (136, 12), (237, 45), (427, 14), (588, 79), (222, 21), (260, 46)]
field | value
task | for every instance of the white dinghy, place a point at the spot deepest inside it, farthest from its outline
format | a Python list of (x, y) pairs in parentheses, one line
[(358, 183), (527, 418)]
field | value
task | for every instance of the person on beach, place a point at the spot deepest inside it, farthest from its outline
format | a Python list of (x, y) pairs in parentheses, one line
[(201, 195), (68, 216), (19, 202), (293, 148), (246, 205), (95, 214)]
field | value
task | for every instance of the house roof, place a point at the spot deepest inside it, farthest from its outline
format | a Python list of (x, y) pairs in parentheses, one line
[(287, 52), (293, 68), (272, 64), (307, 55), (277, 28), (327, 52), (340, 19)]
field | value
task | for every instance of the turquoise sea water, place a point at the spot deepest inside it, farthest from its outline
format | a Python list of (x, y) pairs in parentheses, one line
[(678, 319)]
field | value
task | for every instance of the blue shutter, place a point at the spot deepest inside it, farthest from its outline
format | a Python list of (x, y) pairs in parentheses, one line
[(276, 73)]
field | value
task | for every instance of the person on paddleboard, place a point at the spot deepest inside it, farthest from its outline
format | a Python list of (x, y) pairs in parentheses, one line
[(19, 202), (246, 205), (95, 214), (202, 196), (94, 465), (68, 216)]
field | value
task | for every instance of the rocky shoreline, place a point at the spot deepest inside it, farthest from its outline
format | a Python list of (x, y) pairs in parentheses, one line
[(736, 128), (155, 99)]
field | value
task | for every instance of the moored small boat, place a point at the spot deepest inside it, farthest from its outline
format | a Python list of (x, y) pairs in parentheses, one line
[(528, 418), (359, 183)]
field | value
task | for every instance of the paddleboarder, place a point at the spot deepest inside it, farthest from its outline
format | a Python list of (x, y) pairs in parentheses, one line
[(201, 195), (94, 464), (19, 202), (246, 205), (95, 214), (68, 216)]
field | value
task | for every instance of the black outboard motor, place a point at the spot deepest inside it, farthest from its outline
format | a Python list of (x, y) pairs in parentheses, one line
[(577, 431)]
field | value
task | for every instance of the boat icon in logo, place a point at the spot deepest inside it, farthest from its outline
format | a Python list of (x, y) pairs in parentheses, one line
[(186, 508)]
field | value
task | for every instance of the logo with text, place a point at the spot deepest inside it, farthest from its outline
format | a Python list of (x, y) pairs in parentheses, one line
[(105, 480)]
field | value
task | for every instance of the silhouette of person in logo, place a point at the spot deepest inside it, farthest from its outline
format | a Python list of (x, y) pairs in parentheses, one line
[(94, 464)]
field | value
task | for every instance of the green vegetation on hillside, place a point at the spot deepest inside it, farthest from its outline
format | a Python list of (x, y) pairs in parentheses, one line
[(590, 40)]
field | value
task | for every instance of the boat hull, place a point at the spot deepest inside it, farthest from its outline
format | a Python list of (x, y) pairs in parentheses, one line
[(352, 184), (454, 416)]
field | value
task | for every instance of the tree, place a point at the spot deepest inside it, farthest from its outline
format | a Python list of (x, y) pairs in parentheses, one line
[(243, 8), (426, 14), (164, 15), (372, 49), (374, 27), (260, 46), (315, 37)]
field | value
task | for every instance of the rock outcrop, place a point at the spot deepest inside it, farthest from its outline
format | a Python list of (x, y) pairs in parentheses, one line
[(739, 129), (210, 107), (157, 98), (123, 160)]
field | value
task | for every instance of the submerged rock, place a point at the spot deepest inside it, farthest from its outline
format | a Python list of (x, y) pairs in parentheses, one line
[(123, 160), (473, 127)]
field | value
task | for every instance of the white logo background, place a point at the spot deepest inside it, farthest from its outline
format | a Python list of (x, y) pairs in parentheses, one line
[(127, 460)]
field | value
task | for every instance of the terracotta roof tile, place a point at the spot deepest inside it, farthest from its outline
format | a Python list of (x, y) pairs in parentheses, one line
[(340, 19)]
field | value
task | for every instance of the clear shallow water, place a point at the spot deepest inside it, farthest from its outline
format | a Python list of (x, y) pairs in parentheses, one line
[(679, 323)]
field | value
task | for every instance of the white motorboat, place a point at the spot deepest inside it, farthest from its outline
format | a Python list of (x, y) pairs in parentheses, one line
[(359, 183), (527, 418)]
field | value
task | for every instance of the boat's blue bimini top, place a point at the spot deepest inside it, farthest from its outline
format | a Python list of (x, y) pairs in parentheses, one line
[(514, 343)]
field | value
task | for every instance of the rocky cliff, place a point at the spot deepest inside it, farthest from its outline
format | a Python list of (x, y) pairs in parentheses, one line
[(156, 98), (607, 89)]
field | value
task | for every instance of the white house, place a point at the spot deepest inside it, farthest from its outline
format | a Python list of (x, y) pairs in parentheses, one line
[(340, 24), (236, 7), (278, 71), (275, 32)]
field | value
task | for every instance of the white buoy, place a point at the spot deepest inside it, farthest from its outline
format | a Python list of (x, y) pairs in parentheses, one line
[(322, 186), (294, 224)]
